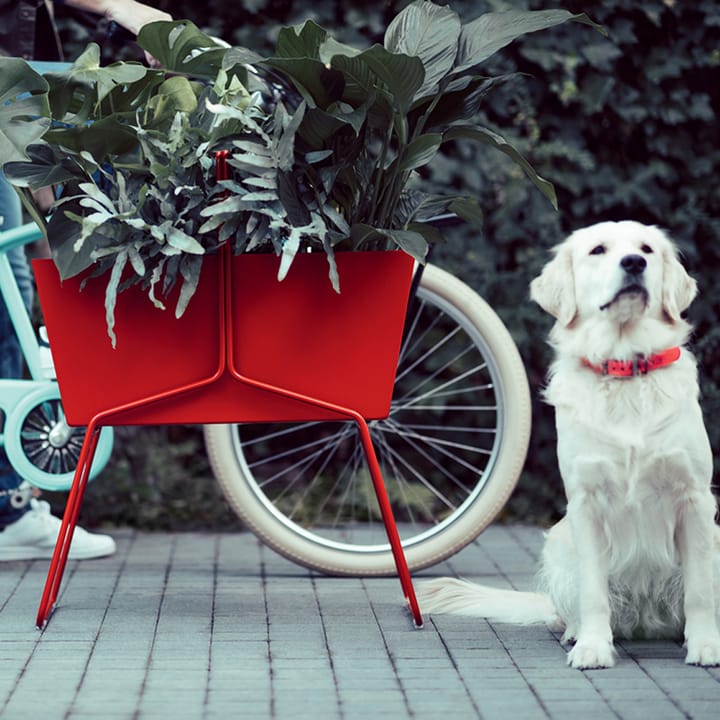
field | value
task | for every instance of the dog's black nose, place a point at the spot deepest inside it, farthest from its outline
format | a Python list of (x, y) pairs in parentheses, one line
[(633, 264)]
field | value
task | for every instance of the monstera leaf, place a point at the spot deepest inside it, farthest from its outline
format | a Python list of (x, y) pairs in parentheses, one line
[(180, 46), (87, 78), (24, 108)]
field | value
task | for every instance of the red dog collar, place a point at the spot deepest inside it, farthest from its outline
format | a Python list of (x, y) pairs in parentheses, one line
[(639, 366)]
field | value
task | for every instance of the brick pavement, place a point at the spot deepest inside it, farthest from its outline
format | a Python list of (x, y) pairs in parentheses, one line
[(205, 626)]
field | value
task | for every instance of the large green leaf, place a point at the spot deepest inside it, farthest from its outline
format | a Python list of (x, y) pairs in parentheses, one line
[(320, 127), (360, 81), (429, 32), (331, 47), (319, 85), (430, 233), (491, 32), (180, 46), (176, 94), (43, 169), (461, 101), (355, 117), (87, 94), (402, 74), (87, 69), (413, 243), (102, 139), (497, 141), (24, 108), (240, 56), (469, 210), (301, 43), (420, 151), (323, 127)]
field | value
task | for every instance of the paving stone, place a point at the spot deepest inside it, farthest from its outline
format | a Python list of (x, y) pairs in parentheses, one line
[(201, 626)]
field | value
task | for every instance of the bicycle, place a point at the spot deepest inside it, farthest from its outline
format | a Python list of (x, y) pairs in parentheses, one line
[(451, 450), (40, 446)]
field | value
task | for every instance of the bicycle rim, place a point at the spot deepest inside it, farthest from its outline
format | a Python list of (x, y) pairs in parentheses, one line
[(450, 450)]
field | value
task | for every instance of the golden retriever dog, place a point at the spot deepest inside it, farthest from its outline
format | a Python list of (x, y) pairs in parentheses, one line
[(637, 554)]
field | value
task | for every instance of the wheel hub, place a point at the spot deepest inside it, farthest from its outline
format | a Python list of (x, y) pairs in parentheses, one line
[(59, 434)]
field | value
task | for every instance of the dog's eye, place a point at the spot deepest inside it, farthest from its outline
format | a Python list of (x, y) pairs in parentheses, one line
[(598, 250), (646, 249)]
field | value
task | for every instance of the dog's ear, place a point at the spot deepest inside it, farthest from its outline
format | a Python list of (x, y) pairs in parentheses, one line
[(679, 289), (554, 289)]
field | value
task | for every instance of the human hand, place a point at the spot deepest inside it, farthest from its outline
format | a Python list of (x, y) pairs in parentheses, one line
[(129, 14), (133, 16)]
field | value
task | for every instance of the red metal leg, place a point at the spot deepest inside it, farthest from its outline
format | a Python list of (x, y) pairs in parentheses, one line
[(67, 527), (389, 520), (375, 473), (366, 439)]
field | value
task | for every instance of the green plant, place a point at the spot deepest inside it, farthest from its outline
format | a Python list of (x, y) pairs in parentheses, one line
[(323, 139)]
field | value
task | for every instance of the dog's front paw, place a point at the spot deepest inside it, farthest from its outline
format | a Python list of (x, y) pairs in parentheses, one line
[(592, 653), (703, 651)]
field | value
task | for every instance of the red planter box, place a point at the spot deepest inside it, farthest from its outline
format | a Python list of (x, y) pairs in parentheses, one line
[(298, 334)]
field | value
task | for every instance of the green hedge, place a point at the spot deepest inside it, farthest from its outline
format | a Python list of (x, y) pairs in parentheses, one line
[(625, 126)]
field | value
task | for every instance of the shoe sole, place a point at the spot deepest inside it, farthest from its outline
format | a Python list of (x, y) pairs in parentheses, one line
[(19, 553)]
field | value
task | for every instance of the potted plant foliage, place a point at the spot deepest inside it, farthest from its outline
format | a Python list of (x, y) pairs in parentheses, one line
[(324, 141)]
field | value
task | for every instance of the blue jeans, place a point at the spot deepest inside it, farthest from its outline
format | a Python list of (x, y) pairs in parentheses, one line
[(11, 359)]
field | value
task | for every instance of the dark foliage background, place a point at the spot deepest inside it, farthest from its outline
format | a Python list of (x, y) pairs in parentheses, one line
[(625, 127)]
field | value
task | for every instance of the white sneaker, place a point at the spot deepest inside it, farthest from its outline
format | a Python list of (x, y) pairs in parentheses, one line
[(34, 534)]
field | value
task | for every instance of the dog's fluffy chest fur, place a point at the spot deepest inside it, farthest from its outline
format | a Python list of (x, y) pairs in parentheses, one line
[(629, 412), (636, 434)]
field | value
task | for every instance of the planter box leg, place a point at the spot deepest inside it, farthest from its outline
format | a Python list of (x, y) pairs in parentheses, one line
[(389, 520), (373, 465), (67, 527)]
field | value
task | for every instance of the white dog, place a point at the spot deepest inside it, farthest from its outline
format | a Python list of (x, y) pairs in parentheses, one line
[(638, 552)]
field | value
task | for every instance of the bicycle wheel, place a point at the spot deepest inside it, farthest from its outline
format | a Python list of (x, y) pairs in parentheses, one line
[(42, 448), (451, 449)]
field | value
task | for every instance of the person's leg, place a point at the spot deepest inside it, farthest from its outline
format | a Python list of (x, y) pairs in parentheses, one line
[(13, 503), (27, 528)]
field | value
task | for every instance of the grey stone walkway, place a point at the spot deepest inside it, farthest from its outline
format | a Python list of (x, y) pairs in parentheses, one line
[(204, 626)]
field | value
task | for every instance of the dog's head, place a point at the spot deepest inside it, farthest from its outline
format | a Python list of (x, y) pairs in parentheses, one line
[(622, 270)]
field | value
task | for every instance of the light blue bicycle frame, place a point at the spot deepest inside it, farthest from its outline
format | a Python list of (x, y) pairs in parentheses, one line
[(19, 397)]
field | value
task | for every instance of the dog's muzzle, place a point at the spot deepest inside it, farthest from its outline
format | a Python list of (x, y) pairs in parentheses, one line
[(634, 267)]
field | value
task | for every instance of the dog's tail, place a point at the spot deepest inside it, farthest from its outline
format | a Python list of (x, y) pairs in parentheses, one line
[(459, 597)]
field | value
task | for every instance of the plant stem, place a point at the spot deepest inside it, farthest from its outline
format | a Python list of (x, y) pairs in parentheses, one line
[(32, 209), (391, 189), (417, 131), (378, 175)]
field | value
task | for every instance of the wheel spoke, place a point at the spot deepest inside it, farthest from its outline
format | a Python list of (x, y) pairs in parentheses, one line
[(437, 450)]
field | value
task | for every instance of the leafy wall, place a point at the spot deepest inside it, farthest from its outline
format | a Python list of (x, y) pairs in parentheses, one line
[(625, 126)]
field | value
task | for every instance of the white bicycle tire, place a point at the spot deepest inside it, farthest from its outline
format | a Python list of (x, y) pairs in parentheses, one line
[(444, 538)]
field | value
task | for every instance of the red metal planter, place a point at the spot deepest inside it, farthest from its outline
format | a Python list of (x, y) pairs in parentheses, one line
[(247, 349), (298, 334)]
